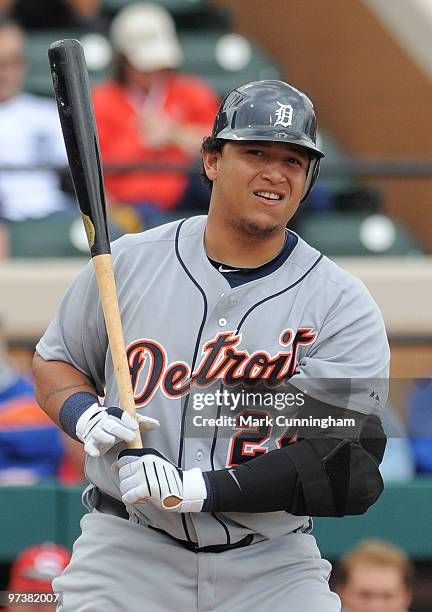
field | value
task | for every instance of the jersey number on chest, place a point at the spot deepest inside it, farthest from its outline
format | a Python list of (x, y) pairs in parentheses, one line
[(254, 437)]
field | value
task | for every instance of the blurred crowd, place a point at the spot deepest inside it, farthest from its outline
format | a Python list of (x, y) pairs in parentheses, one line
[(32, 448), (147, 112), (151, 118)]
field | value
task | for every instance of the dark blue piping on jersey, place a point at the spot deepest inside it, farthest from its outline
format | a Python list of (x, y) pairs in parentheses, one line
[(197, 344), (212, 451), (270, 297), (225, 528), (198, 340)]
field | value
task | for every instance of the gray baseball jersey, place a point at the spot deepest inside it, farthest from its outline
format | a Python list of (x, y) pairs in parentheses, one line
[(183, 322)]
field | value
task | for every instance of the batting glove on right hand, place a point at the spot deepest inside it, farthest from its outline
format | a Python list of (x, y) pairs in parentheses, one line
[(147, 475), (101, 428)]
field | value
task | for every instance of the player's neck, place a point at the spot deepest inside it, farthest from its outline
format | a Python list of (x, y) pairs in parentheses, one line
[(234, 248)]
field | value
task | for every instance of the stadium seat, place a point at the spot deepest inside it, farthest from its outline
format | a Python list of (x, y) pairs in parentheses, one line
[(38, 76), (334, 153), (187, 14), (356, 234), (173, 6), (56, 236), (225, 60)]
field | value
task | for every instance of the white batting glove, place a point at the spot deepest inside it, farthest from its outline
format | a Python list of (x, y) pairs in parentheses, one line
[(101, 428), (146, 475)]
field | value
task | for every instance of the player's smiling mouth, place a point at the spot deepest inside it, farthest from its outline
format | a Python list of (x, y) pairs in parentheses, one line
[(269, 196)]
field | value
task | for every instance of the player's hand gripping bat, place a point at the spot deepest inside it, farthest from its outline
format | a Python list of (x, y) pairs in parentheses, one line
[(72, 92)]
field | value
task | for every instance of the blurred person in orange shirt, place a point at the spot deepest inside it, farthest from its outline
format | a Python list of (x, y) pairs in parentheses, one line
[(152, 113), (33, 571), (375, 577)]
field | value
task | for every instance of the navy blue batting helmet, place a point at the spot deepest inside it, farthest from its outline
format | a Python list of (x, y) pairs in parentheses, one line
[(273, 111)]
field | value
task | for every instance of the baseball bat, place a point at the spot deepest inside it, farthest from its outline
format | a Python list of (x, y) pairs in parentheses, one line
[(75, 107)]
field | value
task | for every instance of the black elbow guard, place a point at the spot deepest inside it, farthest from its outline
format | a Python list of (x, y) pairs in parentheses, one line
[(339, 477)]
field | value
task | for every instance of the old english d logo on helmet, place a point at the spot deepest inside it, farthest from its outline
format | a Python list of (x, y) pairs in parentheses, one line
[(284, 115), (273, 111)]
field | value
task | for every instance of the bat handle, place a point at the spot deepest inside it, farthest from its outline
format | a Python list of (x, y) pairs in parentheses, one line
[(108, 295)]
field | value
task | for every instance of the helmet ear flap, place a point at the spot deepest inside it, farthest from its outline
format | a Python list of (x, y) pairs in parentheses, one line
[(311, 177)]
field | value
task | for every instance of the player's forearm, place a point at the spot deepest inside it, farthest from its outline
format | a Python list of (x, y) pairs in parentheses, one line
[(55, 381)]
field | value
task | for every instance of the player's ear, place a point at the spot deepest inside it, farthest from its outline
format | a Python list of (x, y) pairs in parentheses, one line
[(210, 163)]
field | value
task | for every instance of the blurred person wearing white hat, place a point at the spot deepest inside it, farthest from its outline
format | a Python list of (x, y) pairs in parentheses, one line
[(151, 113)]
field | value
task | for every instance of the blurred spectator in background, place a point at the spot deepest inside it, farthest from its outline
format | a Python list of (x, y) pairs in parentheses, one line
[(375, 577), (31, 447), (29, 135), (71, 471), (151, 113), (48, 14), (419, 422), (33, 571)]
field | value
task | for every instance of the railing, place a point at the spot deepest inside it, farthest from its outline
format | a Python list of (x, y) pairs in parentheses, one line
[(51, 512), (402, 287), (378, 168)]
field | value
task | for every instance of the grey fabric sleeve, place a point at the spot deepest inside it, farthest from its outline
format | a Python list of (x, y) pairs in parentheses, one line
[(348, 365), (77, 334)]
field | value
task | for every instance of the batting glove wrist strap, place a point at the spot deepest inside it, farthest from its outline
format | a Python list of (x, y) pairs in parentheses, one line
[(73, 408), (194, 491)]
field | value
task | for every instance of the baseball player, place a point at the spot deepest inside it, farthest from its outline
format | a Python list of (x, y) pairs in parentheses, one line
[(214, 512)]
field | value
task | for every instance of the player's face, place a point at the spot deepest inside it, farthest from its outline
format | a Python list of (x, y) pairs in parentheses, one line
[(257, 186), (375, 589)]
